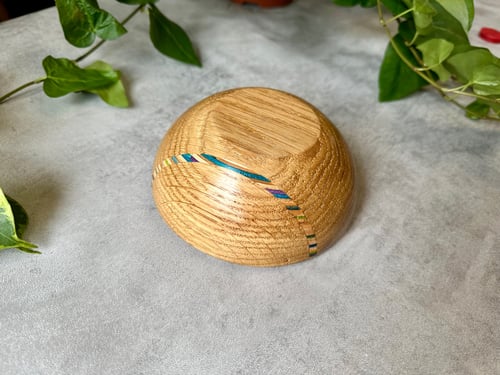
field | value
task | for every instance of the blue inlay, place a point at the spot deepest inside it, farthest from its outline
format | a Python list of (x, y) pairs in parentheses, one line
[(280, 196), (174, 159), (189, 158), (220, 163)]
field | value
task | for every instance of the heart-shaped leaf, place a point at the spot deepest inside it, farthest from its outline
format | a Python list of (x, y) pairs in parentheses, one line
[(477, 110), (434, 52), (464, 64)]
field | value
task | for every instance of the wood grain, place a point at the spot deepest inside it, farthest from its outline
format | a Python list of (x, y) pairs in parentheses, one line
[(255, 176)]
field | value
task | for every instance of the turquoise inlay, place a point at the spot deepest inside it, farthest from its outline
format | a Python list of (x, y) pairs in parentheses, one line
[(219, 163), (189, 158), (175, 160), (280, 196), (293, 208)]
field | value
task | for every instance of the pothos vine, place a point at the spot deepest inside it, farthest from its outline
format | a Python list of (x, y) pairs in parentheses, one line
[(444, 59)]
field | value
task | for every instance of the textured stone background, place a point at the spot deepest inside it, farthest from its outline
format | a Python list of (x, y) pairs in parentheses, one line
[(412, 288)]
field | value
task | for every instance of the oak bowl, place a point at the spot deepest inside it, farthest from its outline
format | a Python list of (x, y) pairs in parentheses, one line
[(255, 176)]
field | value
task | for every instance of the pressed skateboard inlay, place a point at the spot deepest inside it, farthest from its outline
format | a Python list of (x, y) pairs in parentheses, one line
[(254, 176)]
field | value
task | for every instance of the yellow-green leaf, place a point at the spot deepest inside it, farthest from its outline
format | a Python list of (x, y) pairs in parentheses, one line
[(486, 81), (464, 64), (434, 52), (8, 235), (462, 10)]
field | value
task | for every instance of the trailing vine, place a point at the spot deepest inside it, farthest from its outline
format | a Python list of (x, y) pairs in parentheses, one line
[(82, 22), (431, 48)]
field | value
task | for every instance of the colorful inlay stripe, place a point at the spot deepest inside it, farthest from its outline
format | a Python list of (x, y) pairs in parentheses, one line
[(220, 163), (278, 193), (189, 158), (258, 179)]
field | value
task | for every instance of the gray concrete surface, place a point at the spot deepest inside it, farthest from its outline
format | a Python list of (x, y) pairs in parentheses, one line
[(412, 288)]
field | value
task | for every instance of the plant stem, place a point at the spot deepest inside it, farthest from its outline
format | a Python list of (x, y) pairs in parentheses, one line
[(464, 108), (101, 42), (22, 87), (396, 48), (398, 16)]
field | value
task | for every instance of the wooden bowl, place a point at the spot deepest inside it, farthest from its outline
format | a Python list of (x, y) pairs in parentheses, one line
[(255, 176)]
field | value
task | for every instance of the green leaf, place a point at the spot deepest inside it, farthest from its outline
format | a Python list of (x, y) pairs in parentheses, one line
[(486, 80), (462, 10), (396, 79), (82, 20), (423, 13), (463, 64), (477, 110), (407, 30), (20, 215), (8, 235), (495, 106), (434, 52), (170, 39), (137, 2), (445, 26), (64, 76), (114, 94)]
